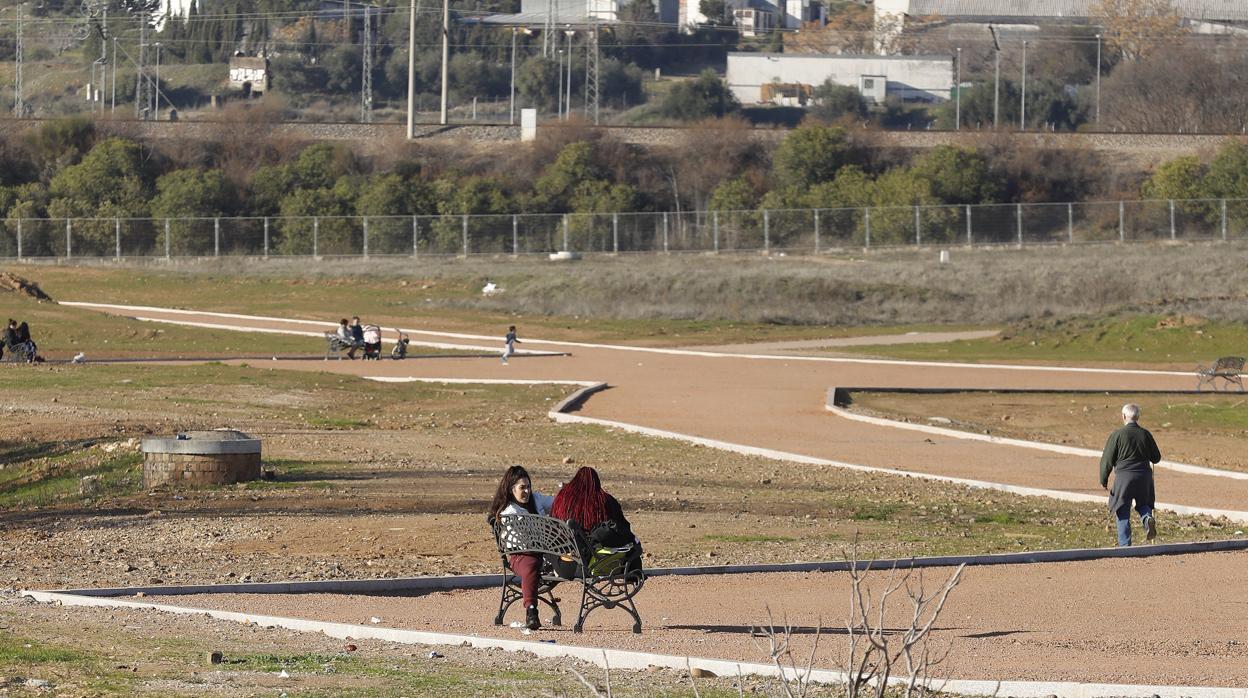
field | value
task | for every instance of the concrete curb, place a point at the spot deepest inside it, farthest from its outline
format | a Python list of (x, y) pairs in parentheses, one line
[(633, 660), (834, 401), (475, 381)]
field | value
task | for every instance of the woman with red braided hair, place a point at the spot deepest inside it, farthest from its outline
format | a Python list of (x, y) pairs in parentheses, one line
[(598, 516)]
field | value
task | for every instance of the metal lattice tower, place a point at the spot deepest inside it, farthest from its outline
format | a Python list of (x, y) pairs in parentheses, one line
[(591, 75), (142, 85), (366, 83)]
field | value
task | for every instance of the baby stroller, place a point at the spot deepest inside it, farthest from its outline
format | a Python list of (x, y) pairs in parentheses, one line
[(400, 347), (22, 352), (372, 342)]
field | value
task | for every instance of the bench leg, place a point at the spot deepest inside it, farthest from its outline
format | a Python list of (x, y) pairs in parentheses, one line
[(510, 593)]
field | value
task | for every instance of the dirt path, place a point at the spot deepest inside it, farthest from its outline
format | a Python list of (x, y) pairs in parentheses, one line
[(833, 342), (1019, 622), (778, 403)]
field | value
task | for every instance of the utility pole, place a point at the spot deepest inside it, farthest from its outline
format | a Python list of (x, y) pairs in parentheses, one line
[(996, 82), (446, 52), (113, 109), (366, 80), (156, 87), (411, 71), (1022, 119), (19, 107)]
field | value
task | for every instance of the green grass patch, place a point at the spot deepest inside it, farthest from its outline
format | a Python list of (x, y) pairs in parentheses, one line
[(119, 475), (875, 512), (1002, 518), (15, 650), (1146, 339), (724, 538)]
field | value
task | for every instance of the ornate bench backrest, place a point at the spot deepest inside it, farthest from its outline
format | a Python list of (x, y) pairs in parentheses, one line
[(529, 533), (1229, 363)]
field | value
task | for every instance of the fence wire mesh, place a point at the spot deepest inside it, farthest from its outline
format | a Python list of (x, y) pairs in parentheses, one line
[(778, 230)]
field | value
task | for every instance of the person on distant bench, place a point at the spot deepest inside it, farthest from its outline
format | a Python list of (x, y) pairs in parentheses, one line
[(1129, 454), (23, 337), (515, 495), (357, 336)]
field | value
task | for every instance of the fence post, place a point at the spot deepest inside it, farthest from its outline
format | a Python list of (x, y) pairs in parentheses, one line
[(867, 221), (415, 236), (918, 229), (565, 232), (365, 218), (515, 235), (465, 236), (665, 231), (715, 230), (1070, 222), (1171, 219), (1223, 220), (166, 239), (1018, 215), (1122, 230), (970, 240), (816, 231), (615, 233), (69, 237), (19, 239), (316, 236), (216, 237), (117, 239), (766, 231), (266, 237)]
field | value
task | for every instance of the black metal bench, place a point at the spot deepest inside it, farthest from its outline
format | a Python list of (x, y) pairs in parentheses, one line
[(1228, 368), (335, 346), (606, 581), (23, 353)]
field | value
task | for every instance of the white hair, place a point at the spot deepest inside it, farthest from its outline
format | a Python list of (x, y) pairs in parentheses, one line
[(1131, 412)]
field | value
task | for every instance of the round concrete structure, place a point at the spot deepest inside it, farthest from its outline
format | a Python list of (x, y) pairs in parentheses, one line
[(217, 457)]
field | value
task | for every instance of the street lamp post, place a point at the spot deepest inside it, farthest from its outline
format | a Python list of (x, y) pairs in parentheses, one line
[(446, 53), (156, 87), (1098, 80), (1022, 119), (411, 71), (511, 119), (559, 86), (957, 118), (568, 102)]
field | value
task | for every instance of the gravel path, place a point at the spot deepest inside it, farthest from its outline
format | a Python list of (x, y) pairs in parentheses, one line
[(1112, 621)]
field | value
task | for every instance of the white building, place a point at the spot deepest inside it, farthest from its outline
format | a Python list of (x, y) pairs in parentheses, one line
[(910, 78), (1201, 16), (755, 17)]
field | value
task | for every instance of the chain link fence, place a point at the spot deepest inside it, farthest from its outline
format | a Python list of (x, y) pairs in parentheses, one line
[(765, 230)]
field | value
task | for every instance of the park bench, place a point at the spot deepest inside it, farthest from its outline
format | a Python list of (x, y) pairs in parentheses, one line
[(22, 353), (1227, 368), (334, 346), (608, 579)]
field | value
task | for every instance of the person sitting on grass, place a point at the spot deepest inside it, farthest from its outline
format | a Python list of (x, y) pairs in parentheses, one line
[(515, 495), (596, 517)]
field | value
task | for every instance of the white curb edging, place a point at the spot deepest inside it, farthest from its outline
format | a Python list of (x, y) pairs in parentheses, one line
[(1176, 466), (1236, 516), (633, 660)]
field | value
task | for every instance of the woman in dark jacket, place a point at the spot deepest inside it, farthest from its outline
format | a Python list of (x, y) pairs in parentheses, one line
[(595, 514)]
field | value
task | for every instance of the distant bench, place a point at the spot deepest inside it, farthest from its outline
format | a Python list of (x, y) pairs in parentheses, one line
[(609, 579), (1228, 368)]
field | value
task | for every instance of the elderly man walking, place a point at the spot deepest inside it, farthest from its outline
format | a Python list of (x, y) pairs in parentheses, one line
[(1130, 453)]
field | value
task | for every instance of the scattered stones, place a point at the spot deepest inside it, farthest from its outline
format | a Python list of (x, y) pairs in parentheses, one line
[(351, 648), (90, 486), (700, 673), (568, 460), (37, 684)]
